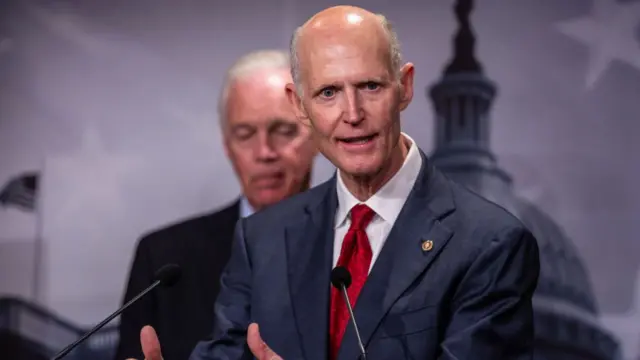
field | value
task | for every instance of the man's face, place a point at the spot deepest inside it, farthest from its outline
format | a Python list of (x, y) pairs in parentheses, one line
[(270, 150), (353, 99)]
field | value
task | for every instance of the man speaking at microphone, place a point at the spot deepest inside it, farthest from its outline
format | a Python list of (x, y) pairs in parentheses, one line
[(437, 272)]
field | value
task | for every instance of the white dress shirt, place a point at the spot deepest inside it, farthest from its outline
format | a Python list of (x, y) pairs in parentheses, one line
[(386, 203), (246, 209)]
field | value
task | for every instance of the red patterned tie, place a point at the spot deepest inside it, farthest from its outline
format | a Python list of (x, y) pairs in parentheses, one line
[(355, 255)]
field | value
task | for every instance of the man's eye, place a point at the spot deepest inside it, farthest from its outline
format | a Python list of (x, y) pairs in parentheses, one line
[(328, 93), (243, 135), (372, 86), (287, 130)]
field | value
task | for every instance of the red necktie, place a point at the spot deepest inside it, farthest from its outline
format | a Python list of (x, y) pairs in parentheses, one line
[(355, 255)]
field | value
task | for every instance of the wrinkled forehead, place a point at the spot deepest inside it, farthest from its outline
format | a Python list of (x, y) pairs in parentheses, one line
[(266, 79), (344, 56), (259, 98)]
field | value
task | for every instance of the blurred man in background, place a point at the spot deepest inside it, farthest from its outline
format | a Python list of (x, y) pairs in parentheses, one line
[(272, 156)]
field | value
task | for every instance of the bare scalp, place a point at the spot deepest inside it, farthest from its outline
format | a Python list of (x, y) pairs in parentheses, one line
[(339, 29)]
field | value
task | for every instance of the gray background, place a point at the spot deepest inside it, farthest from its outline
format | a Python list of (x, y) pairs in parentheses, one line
[(114, 104)]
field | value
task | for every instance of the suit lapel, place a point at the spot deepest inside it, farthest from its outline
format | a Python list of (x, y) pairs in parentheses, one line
[(402, 259), (309, 258)]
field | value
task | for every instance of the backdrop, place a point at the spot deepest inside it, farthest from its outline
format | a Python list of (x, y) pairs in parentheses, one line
[(107, 115)]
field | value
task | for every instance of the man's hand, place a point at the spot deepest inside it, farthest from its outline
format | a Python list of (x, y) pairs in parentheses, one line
[(258, 347), (150, 344)]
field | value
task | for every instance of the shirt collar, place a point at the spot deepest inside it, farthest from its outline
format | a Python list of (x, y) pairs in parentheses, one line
[(389, 200), (245, 208)]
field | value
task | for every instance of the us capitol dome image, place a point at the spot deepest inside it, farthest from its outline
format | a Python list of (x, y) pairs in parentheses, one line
[(566, 314)]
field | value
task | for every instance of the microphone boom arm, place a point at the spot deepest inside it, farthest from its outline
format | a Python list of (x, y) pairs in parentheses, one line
[(104, 322), (363, 353), (167, 276)]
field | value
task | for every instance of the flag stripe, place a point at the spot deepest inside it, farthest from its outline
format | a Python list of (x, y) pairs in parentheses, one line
[(18, 195)]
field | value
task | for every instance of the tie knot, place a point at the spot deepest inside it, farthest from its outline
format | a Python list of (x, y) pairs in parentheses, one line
[(361, 216)]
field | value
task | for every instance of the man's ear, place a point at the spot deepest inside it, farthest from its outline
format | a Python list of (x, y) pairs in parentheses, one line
[(225, 134), (406, 85), (225, 143), (296, 104)]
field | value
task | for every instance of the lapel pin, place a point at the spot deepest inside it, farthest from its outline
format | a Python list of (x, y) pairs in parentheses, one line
[(427, 245)]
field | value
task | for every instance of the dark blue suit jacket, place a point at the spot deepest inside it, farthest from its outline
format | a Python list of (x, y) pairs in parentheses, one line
[(468, 297)]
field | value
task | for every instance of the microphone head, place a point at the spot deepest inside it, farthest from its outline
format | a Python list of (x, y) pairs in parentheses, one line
[(340, 276), (168, 275)]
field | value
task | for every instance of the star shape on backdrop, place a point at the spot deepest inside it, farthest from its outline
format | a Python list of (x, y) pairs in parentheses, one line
[(82, 34), (92, 178), (67, 24), (610, 34)]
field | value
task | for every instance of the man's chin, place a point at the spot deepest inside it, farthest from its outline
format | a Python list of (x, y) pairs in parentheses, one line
[(361, 170), (268, 197), (361, 165)]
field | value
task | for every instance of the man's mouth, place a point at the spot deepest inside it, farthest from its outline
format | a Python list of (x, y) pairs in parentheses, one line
[(358, 140), (269, 180)]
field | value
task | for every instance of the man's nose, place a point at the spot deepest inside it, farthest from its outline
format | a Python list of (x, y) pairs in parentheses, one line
[(354, 113), (265, 149)]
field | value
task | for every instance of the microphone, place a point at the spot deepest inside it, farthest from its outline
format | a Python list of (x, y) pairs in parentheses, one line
[(341, 279), (166, 276)]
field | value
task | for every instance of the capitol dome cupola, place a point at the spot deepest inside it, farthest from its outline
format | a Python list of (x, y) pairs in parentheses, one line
[(566, 316)]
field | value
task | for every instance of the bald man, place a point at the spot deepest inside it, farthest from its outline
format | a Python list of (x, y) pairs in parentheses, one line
[(436, 271)]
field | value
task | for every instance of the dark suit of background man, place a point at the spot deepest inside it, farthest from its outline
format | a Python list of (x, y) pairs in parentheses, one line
[(272, 157), (437, 271)]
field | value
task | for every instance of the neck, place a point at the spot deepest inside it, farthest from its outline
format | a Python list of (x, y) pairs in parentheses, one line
[(306, 182), (303, 186), (363, 187)]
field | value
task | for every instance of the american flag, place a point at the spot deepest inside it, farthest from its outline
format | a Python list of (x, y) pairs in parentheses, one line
[(21, 192)]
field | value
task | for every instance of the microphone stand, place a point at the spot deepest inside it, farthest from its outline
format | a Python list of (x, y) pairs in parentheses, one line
[(68, 349), (363, 353)]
